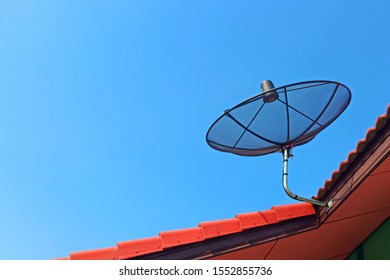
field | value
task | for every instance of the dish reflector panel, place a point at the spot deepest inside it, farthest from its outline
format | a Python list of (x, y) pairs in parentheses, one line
[(280, 117)]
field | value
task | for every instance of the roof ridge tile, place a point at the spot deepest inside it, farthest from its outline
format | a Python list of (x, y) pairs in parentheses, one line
[(381, 121), (256, 219), (287, 212), (133, 248), (110, 253), (182, 236), (205, 230), (220, 227)]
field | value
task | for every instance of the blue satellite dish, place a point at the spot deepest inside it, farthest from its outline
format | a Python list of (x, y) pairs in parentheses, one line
[(278, 119)]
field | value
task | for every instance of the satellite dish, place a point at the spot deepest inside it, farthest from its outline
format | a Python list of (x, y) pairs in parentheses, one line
[(278, 119)]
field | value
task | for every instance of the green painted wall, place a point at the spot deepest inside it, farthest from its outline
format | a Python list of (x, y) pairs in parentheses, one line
[(376, 246)]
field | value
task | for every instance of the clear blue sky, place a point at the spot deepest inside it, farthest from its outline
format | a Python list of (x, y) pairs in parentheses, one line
[(104, 107)]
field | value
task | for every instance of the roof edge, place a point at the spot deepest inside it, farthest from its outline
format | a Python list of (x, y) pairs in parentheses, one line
[(169, 240)]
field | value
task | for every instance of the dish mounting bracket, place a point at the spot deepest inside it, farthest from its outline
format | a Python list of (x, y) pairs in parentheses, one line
[(286, 155)]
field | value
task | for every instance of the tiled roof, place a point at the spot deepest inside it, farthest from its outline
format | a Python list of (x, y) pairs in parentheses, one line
[(204, 231), (353, 155), (247, 221)]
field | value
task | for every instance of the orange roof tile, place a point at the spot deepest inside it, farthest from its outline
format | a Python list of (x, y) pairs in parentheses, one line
[(133, 248), (360, 147), (205, 230), (98, 254)]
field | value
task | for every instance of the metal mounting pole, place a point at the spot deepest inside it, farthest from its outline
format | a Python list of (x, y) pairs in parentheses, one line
[(286, 155)]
